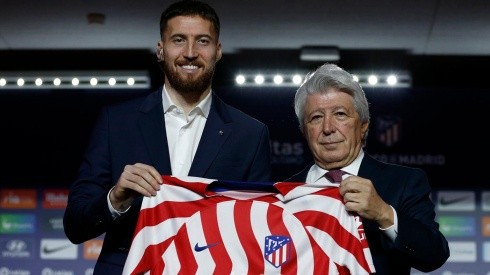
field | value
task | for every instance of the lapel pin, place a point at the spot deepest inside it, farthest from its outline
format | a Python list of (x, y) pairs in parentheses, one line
[(220, 132)]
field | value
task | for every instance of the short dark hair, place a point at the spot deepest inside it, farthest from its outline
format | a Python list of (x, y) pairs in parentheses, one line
[(190, 7)]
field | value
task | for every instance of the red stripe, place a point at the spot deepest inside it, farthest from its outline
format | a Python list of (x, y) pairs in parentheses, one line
[(171, 209), (321, 261), (277, 227), (248, 241), (151, 253), (209, 220), (285, 187), (331, 225), (184, 252)]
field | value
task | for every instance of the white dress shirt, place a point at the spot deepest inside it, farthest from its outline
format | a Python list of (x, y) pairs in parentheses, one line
[(184, 132), (183, 135)]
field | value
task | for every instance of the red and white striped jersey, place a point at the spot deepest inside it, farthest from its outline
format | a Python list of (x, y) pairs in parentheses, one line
[(205, 226)]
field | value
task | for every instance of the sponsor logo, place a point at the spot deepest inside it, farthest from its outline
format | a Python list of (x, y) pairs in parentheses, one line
[(58, 249), (452, 226), (388, 130), (198, 248), (456, 201), (418, 159), (47, 250), (17, 223), (55, 198), (445, 201), (290, 153), (16, 248), (485, 226), (92, 248), (52, 222), (18, 198), (50, 271), (462, 252), (277, 249), (485, 201), (8, 271), (486, 251)]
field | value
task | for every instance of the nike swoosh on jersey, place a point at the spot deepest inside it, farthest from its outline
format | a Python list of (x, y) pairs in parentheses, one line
[(47, 250), (198, 248), (445, 201)]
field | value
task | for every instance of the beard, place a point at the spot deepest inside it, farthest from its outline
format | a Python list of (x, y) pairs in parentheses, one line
[(189, 84)]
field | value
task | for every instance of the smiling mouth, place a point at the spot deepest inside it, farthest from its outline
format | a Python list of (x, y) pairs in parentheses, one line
[(329, 143), (189, 67)]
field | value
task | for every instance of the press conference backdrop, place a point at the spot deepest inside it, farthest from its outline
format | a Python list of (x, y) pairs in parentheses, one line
[(437, 130)]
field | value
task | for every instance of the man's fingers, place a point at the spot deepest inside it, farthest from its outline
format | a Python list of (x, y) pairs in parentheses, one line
[(141, 178)]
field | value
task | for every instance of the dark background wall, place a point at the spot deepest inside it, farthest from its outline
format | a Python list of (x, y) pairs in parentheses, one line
[(441, 127), (441, 118)]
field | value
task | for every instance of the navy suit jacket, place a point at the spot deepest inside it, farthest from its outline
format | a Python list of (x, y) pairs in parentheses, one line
[(233, 146), (419, 243)]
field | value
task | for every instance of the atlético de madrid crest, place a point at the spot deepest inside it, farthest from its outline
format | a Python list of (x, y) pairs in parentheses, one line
[(388, 130), (277, 249)]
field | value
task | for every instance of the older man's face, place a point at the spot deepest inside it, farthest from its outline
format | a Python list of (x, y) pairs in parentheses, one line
[(333, 128)]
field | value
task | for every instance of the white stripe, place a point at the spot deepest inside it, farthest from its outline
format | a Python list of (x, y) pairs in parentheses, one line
[(227, 228), (285, 254), (327, 205), (170, 258), (258, 218), (301, 243), (169, 193), (148, 236), (204, 259), (336, 252)]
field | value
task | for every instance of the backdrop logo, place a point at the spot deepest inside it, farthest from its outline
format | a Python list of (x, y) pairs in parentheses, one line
[(388, 130), (92, 248), (457, 226), (485, 201), (16, 248), (55, 198), (17, 223), (462, 252), (456, 201), (485, 226), (52, 222), (58, 249), (486, 251), (287, 153), (18, 198)]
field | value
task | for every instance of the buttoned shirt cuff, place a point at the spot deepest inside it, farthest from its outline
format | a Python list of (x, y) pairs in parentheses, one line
[(391, 231), (115, 214)]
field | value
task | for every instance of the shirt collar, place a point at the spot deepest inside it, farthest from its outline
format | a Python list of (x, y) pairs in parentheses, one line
[(204, 105), (317, 172)]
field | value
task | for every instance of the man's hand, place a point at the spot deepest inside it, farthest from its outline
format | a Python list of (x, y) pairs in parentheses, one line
[(136, 179), (361, 197)]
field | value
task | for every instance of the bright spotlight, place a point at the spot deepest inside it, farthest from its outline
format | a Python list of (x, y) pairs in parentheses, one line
[(259, 79), (372, 79), (278, 79), (240, 79), (391, 80)]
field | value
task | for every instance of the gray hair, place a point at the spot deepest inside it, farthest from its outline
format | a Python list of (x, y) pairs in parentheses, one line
[(322, 79)]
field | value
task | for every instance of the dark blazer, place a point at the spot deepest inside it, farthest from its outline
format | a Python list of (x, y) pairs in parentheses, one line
[(233, 146), (419, 243)]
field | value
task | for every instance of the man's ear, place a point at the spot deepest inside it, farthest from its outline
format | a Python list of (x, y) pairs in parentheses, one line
[(219, 53), (159, 51)]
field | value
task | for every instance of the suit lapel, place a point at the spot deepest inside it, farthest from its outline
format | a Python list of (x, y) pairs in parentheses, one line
[(372, 169), (216, 131), (152, 126), (368, 167)]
